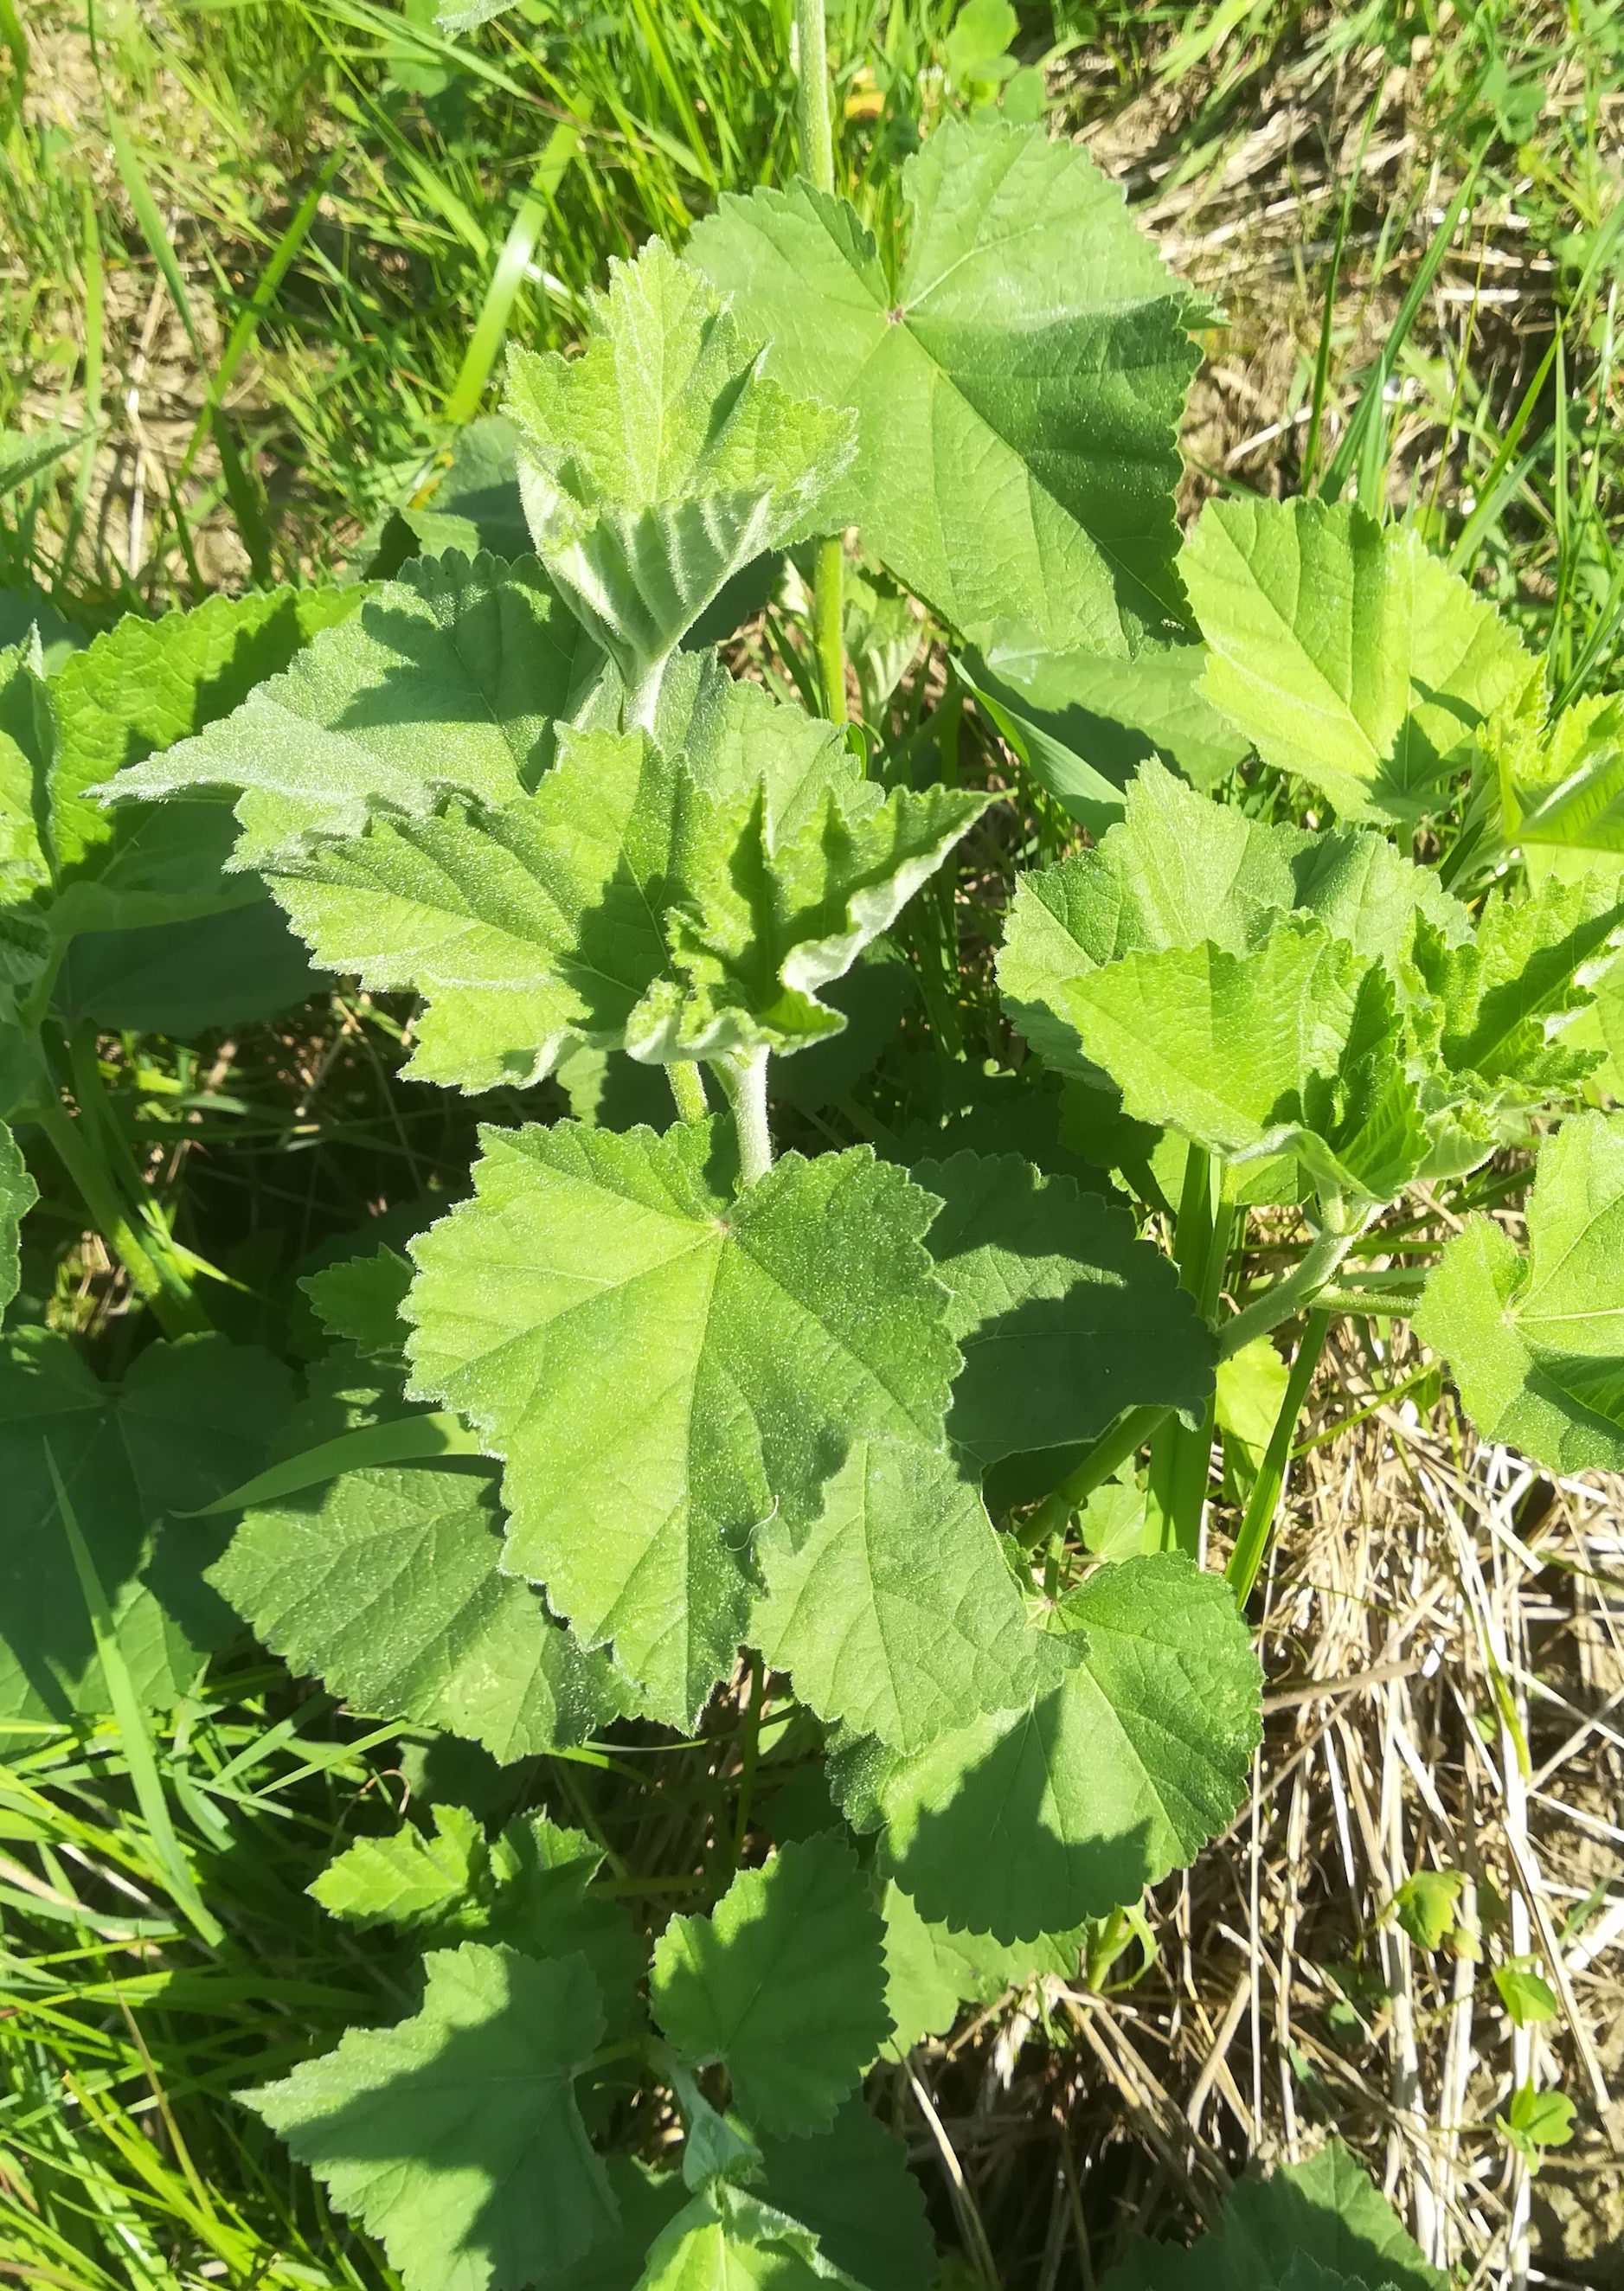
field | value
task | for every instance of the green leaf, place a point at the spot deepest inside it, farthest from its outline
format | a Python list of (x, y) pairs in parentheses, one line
[(408, 1878), (1293, 1050), (1528, 1998), (727, 2240), (388, 1586), (895, 1613), (783, 1982), (18, 1194), (678, 900), (228, 970), (1346, 653), (1019, 389), (1028, 1821), (931, 1972), (1536, 1343), (852, 2187), (659, 462), (188, 1421), (1251, 1390), (649, 2202), (1084, 723), (1063, 1316), (359, 1301), (1557, 791), (1425, 1905), (28, 750), (447, 681), (750, 1340), (456, 2135), (1536, 2120), (1323, 2215), (26, 454)]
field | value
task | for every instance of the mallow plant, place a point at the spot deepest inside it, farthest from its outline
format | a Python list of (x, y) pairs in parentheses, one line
[(837, 1379)]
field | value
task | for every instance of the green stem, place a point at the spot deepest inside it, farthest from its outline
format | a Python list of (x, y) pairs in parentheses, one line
[(743, 1079), (1108, 1454), (688, 1087), (812, 107), (752, 1751), (1292, 1295), (1181, 1454), (176, 1315), (827, 595), (1257, 1522)]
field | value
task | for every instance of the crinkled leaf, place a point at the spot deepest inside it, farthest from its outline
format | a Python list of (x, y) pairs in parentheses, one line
[(448, 680), (663, 1368), (456, 2135), (931, 1973), (1344, 651), (359, 1301), (188, 1422), (1295, 1049), (18, 1194), (1019, 389), (1323, 2213), (852, 2187), (1028, 1821), (783, 1982), (895, 1613), (1536, 1343), (659, 462), (388, 1584), (410, 1877), (1556, 790), (1063, 1316)]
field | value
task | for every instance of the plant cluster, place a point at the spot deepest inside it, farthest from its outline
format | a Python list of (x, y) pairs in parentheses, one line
[(658, 1421)]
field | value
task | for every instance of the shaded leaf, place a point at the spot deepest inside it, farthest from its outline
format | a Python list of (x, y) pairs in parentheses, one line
[(852, 2187), (18, 1194)]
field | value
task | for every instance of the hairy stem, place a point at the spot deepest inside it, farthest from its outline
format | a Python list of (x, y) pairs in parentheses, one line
[(812, 108), (828, 589), (688, 1087), (1297, 1291), (743, 1079), (1258, 1523)]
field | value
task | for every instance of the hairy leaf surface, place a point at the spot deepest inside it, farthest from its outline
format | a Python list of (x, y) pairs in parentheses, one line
[(1028, 1821), (663, 1368), (729, 2240), (456, 2135), (783, 1982), (1344, 651), (659, 462), (1536, 1343)]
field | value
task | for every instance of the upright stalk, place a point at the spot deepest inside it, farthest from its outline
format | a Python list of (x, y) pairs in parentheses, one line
[(1258, 1523), (1180, 1456), (743, 1079), (688, 1088), (817, 163)]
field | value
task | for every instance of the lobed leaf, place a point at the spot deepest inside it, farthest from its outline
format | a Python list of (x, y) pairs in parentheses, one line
[(895, 1613), (931, 1972), (18, 1194), (1536, 1342), (663, 1368), (852, 2187), (783, 1982), (1345, 652), (1019, 389), (188, 1422), (1063, 1316), (1027, 1821), (455, 2134), (725, 2240)]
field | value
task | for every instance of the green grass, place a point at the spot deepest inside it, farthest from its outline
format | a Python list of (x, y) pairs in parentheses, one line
[(355, 216)]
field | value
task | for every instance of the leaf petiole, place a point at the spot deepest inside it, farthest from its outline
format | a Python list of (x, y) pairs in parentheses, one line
[(744, 1080)]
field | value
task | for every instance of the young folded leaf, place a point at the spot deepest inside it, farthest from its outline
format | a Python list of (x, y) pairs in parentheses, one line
[(1556, 791), (188, 1423), (1018, 387), (1536, 1343), (895, 1613), (1296, 1050), (659, 462), (18, 1194), (1064, 1318), (664, 1367), (783, 1982), (456, 2135), (1026, 1821), (1345, 652)]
